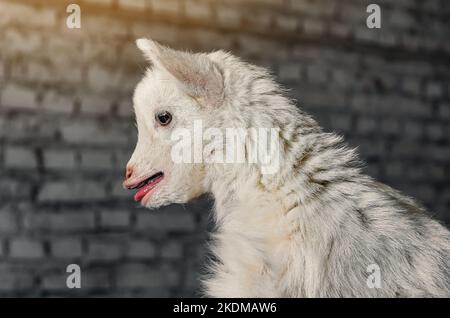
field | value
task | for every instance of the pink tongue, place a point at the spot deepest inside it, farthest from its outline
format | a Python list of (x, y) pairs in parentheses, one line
[(142, 192), (146, 189)]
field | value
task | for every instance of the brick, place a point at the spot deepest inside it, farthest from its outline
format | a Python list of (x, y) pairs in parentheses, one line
[(8, 220), (172, 250), (444, 110), (89, 132), (435, 131), (341, 123), (26, 249), (101, 2), (20, 157), (400, 19), (290, 72), (228, 16), (406, 149), (436, 172), (164, 33), (423, 192), (373, 171), (119, 192), (58, 45), (316, 99), (26, 15), (434, 89), (96, 279), (133, 4), (11, 281), (59, 159), (32, 71), (2, 71), (14, 96), (191, 279), (3, 128), (372, 149), (56, 282), (28, 128), (287, 23), (412, 68), (140, 276), (13, 189), (20, 42), (253, 45), (411, 86), (367, 35), (395, 169), (96, 160), (58, 103), (275, 3), (313, 8), (63, 191), (198, 10), (340, 30), (104, 251), (313, 27), (413, 130), (430, 44), (99, 79), (415, 174), (114, 219), (211, 40), (166, 220), (125, 108), (100, 50), (317, 74), (366, 125), (413, 107), (260, 20), (64, 221), (107, 26), (410, 41), (131, 54), (300, 5), (390, 126), (390, 105), (440, 153), (172, 7), (122, 158), (66, 248), (343, 78), (140, 249)]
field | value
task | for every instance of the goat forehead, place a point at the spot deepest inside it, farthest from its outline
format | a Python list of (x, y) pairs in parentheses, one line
[(155, 91)]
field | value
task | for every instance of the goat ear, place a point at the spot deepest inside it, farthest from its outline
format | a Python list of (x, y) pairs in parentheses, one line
[(149, 48), (197, 74)]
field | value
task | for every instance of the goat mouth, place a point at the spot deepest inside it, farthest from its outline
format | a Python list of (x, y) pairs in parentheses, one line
[(145, 186)]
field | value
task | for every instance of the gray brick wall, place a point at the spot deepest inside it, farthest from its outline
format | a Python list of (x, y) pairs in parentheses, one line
[(66, 123)]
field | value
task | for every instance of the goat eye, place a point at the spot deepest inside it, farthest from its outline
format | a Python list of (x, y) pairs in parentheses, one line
[(164, 118)]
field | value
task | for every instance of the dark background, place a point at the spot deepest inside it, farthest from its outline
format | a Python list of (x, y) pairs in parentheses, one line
[(67, 127)]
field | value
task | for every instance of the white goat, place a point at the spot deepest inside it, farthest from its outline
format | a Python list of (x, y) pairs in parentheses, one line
[(317, 227)]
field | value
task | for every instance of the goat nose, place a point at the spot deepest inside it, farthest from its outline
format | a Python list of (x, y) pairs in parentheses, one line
[(129, 172)]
